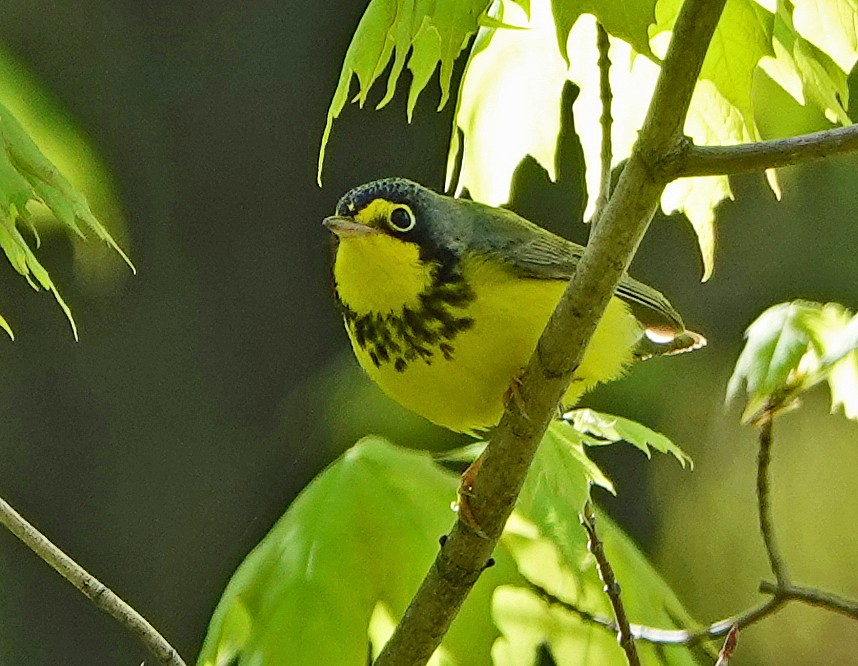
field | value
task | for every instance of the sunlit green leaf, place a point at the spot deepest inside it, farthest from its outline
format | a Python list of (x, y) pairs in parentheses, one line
[(75, 155), (837, 332), (628, 20), (508, 103), (373, 519), (608, 429), (527, 621), (561, 476), (5, 326), (561, 472), (843, 382), (832, 26), (775, 344), (433, 32), (509, 99), (632, 79), (792, 347), (804, 71), (845, 339)]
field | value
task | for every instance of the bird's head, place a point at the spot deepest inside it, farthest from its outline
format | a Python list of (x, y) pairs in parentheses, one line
[(394, 241)]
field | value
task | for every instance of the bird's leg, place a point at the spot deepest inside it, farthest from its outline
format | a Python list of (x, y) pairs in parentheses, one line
[(466, 491), (466, 487), (513, 393)]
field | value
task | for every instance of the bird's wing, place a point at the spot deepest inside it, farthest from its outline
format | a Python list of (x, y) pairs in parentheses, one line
[(533, 252)]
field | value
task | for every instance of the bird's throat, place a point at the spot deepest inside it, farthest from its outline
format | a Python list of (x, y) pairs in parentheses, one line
[(379, 274)]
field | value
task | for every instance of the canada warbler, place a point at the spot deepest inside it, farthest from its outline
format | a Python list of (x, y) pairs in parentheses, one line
[(444, 300)]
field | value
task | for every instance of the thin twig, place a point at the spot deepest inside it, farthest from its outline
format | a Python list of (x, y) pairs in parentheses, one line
[(813, 597), (606, 121), (560, 348), (675, 637), (724, 160), (90, 586), (776, 561), (612, 586)]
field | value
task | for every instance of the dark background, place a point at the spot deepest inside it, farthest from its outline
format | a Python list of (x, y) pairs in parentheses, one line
[(208, 389)]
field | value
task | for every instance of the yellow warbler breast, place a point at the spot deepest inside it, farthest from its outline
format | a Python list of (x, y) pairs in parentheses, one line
[(452, 350), (380, 274)]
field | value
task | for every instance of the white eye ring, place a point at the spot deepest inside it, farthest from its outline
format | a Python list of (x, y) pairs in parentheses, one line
[(396, 221)]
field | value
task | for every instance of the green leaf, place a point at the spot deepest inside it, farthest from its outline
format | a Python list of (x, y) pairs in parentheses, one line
[(26, 175), (844, 340), (628, 20), (721, 111), (843, 382), (609, 429), (562, 472), (527, 621), (806, 72), (832, 26), (557, 487), (434, 32), (561, 476), (373, 519), (837, 335), (776, 343), (508, 102), (632, 78), (792, 347)]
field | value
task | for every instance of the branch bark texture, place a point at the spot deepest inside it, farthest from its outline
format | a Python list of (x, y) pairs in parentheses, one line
[(561, 347), (90, 586), (724, 160)]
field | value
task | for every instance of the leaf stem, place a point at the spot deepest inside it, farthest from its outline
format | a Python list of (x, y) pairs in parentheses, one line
[(606, 120), (764, 503), (91, 587)]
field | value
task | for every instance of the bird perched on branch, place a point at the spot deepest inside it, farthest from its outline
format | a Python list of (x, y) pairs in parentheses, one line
[(444, 300)]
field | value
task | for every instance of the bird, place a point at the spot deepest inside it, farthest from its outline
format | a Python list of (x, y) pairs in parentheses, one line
[(444, 300)]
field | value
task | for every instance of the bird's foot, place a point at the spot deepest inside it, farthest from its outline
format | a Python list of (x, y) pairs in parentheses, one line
[(513, 394), (465, 493)]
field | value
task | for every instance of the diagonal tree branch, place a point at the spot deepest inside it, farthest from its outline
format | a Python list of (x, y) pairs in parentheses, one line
[(89, 586), (694, 160), (561, 347)]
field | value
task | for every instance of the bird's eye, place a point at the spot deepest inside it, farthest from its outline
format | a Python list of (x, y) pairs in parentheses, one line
[(402, 219)]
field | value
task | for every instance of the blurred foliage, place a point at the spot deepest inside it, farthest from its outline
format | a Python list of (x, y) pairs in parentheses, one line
[(62, 140), (29, 179), (373, 519)]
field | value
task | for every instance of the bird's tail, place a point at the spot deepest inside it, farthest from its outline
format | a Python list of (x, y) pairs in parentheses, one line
[(659, 345)]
